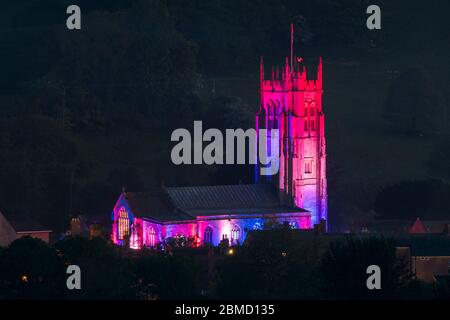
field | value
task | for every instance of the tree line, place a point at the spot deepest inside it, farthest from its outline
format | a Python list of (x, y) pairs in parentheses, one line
[(274, 265)]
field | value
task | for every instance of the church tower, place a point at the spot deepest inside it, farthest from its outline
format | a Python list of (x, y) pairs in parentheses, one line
[(291, 101)]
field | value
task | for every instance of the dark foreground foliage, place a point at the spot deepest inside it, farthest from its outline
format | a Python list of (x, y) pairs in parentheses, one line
[(277, 264)]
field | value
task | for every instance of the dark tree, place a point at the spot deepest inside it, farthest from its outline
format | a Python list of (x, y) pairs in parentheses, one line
[(414, 105), (161, 276), (398, 201), (345, 264), (439, 161), (276, 264), (30, 269), (37, 159), (107, 273)]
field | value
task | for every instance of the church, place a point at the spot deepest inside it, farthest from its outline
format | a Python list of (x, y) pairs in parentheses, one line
[(290, 101)]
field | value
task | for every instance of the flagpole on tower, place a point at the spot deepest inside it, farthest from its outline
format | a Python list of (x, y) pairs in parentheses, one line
[(292, 47)]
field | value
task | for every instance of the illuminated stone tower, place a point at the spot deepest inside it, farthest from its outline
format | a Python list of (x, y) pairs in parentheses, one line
[(291, 101)]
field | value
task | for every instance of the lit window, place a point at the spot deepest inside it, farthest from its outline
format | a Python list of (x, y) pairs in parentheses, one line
[(134, 238), (151, 237), (313, 107), (293, 225), (123, 224), (24, 278), (235, 234), (208, 235)]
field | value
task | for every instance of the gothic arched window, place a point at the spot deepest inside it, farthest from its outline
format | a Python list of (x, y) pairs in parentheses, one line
[(123, 224), (235, 233), (313, 107), (208, 235), (151, 236)]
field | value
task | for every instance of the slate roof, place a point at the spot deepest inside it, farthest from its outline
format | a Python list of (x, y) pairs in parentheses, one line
[(231, 196), (229, 199), (154, 205), (186, 203)]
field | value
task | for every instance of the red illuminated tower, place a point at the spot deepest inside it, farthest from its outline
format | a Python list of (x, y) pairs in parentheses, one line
[(291, 101)]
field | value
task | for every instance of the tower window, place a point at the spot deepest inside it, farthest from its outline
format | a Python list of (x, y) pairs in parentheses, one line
[(313, 125), (308, 167), (306, 125), (123, 224), (311, 112)]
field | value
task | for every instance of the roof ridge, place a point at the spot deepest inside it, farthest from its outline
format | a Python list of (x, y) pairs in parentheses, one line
[(218, 186)]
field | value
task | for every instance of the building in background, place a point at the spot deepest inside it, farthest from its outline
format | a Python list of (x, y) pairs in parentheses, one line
[(13, 227), (91, 226)]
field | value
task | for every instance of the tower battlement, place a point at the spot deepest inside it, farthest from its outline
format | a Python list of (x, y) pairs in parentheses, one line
[(291, 80)]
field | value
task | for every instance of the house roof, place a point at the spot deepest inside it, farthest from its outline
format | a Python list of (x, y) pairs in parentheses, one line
[(418, 227), (426, 245), (421, 245), (404, 226), (186, 203), (22, 223)]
